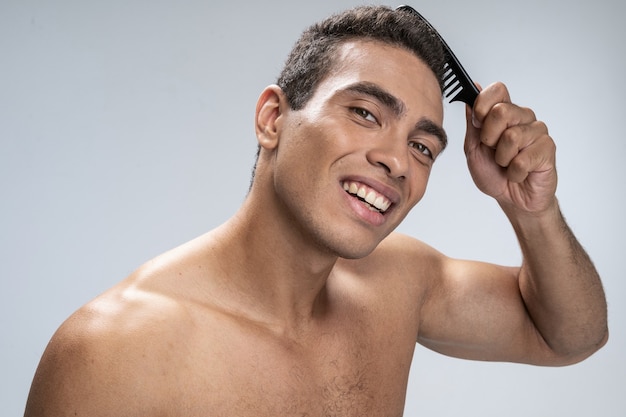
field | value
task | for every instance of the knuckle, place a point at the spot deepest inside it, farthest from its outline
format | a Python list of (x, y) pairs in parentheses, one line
[(512, 136), (499, 111), (508, 146), (529, 113), (500, 87), (518, 169), (540, 126)]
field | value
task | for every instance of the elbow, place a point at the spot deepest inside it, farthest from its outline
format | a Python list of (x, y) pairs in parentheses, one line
[(597, 341), (600, 341), (582, 351)]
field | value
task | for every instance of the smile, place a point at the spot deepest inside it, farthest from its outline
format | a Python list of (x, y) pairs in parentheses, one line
[(374, 200)]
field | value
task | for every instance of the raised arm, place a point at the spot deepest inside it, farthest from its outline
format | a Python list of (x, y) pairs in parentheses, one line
[(551, 310)]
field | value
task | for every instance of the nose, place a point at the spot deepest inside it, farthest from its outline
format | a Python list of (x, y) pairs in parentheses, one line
[(392, 154)]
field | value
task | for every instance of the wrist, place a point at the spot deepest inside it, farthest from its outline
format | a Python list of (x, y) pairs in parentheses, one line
[(529, 222)]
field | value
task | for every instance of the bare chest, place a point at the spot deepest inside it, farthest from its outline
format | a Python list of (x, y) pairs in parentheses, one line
[(261, 376)]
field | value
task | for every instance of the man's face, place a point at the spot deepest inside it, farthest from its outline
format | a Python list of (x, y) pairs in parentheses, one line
[(353, 162)]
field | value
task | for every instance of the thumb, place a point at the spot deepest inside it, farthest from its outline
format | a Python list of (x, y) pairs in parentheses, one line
[(472, 133)]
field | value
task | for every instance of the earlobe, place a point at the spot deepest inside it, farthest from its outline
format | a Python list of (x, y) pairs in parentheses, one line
[(268, 116)]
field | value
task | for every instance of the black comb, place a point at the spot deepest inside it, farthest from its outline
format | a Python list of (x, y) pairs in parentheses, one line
[(458, 86)]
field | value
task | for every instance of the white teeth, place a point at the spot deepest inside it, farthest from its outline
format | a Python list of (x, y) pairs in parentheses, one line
[(370, 197), (375, 200)]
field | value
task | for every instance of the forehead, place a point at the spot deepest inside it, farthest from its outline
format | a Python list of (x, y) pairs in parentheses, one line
[(393, 68)]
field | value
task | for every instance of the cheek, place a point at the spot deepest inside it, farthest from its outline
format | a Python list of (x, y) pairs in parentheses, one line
[(311, 148), (419, 183), (298, 163)]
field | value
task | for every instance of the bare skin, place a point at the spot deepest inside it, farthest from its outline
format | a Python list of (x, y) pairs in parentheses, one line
[(306, 303)]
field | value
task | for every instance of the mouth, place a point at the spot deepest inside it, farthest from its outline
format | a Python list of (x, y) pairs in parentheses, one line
[(372, 199)]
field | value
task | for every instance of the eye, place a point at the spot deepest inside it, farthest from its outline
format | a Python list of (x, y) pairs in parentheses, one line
[(421, 148), (364, 114)]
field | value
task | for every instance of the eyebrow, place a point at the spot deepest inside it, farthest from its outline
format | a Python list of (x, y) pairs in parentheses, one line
[(432, 128), (387, 99), (398, 108)]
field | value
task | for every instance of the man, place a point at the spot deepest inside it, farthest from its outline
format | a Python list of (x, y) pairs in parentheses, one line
[(305, 302)]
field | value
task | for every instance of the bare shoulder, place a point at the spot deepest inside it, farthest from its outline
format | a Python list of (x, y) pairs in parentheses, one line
[(401, 246), (100, 356), (401, 257), (397, 276), (411, 259)]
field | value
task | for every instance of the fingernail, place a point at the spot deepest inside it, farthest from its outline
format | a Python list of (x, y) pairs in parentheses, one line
[(475, 122)]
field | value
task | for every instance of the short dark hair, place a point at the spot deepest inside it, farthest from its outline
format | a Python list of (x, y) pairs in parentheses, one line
[(313, 56)]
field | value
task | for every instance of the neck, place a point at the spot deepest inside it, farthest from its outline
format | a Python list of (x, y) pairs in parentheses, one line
[(279, 274)]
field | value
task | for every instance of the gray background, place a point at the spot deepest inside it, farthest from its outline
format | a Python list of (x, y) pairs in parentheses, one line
[(126, 129)]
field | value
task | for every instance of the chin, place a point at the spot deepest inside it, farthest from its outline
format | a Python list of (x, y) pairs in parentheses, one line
[(348, 248), (356, 253), (347, 242)]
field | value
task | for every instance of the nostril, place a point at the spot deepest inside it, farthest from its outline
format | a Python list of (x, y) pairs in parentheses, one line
[(390, 157), (396, 171), (385, 166)]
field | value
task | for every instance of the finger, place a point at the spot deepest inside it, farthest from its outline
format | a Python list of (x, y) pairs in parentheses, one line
[(472, 133), (535, 158), (488, 97), (501, 117), (516, 138)]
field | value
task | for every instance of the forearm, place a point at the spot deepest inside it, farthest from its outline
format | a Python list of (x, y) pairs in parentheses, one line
[(559, 284)]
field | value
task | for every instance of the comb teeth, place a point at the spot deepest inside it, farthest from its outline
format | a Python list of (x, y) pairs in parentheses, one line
[(451, 84), (457, 84), (458, 88)]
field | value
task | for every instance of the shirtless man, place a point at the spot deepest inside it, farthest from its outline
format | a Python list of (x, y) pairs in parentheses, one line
[(306, 303)]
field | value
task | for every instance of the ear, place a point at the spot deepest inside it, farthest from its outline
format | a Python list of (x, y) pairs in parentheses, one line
[(269, 110)]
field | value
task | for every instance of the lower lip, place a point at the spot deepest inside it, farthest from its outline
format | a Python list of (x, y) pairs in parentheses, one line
[(374, 218)]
